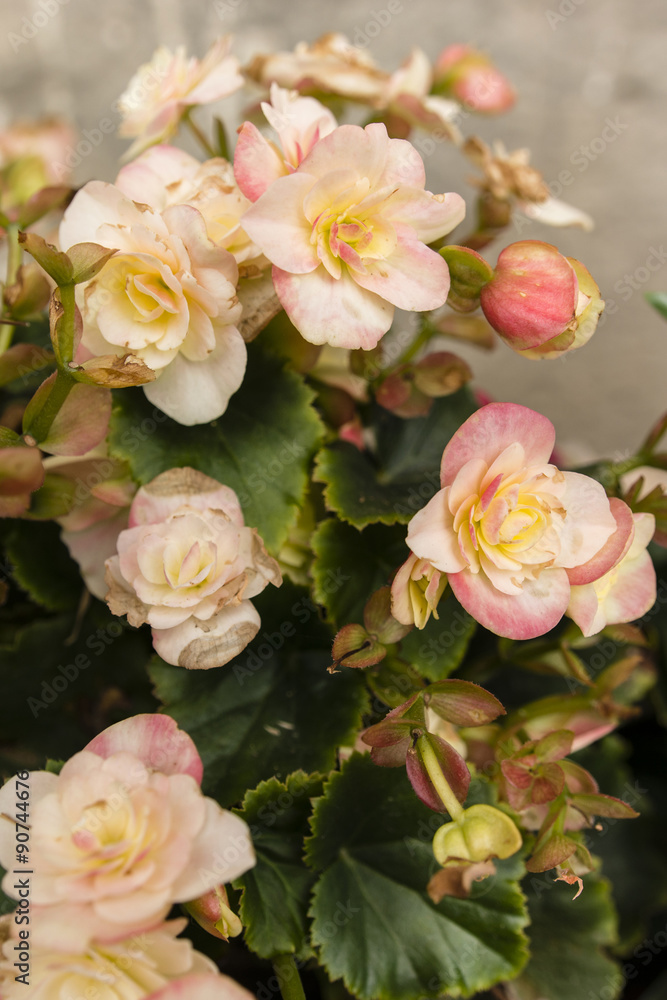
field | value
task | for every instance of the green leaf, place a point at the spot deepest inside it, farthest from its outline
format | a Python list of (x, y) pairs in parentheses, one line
[(349, 565), (42, 566), (567, 940), (65, 679), (396, 482), (373, 921), (276, 891), (659, 302), (260, 446), (272, 710), (438, 649)]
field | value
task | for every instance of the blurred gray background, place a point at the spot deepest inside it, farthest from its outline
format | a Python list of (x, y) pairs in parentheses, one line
[(575, 64)]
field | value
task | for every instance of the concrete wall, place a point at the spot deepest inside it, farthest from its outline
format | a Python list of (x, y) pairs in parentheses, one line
[(576, 64)]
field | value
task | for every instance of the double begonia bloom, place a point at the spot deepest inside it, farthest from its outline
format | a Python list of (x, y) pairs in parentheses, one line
[(163, 90), (507, 527), (138, 967), (540, 302), (121, 834), (165, 176), (626, 591), (188, 566), (299, 122), (168, 296), (347, 234)]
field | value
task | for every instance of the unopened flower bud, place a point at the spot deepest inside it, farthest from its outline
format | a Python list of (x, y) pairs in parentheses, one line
[(416, 591), (470, 77), (540, 302), (482, 832), (212, 912)]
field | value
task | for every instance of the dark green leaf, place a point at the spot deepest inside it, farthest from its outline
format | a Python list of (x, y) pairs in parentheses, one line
[(272, 710), (373, 921), (42, 566), (567, 941), (260, 446), (276, 891), (396, 482), (438, 649), (350, 564)]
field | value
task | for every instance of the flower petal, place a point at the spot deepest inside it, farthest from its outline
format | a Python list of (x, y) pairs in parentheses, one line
[(202, 645), (431, 535), (195, 392), (491, 430), (156, 740), (611, 552), (535, 611), (334, 311), (257, 163), (412, 277), (279, 227)]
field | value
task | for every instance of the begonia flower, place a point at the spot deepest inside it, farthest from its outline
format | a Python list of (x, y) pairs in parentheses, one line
[(164, 89), (168, 296), (507, 527), (164, 175), (121, 834), (347, 234), (299, 123), (188, 566), (133, 968)]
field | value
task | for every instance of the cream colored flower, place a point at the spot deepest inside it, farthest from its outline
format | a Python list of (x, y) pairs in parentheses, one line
[(188, 566), (130, 969), (161, 91), (168, 296), (165, 176)]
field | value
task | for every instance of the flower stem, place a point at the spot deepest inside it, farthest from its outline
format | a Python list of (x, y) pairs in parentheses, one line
[(289, 980), (438, 780), (14, 254), (199, 135), (425, 333)]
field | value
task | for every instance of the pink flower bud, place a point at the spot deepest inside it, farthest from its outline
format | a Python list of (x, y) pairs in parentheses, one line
[(471, 78), (540, 302), (212, 912)]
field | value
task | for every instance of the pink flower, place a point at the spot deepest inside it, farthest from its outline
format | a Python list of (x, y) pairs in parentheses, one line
[(627, 590), (540, 302), (299, 122), (168, 296), (188, 566), (346, 233), (161, 91), (165, 176), (508, 528), (121, 834)]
